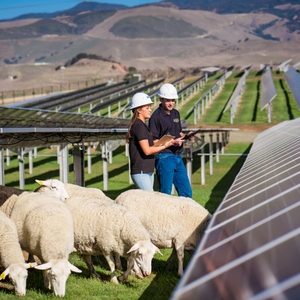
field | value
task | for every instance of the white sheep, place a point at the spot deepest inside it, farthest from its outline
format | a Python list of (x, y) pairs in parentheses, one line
[(76, 190), (52, 187), (105, 228), (11, 256), (95, 193), (173, 222), (45, 229)]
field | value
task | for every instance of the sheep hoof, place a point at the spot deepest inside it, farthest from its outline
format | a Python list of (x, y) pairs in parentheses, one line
[(115, 280), (95, 275)]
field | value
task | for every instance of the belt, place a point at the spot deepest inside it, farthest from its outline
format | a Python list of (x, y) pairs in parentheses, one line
[(177, 152)]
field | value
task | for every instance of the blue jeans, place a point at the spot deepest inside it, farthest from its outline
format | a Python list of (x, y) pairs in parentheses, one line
[(143, 181), (170, 169)]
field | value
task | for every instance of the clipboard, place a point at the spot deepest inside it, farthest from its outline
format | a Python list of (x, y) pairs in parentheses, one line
[(164, 139)]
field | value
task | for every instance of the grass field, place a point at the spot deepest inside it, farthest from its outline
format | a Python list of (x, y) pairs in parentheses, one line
[(161, 283)]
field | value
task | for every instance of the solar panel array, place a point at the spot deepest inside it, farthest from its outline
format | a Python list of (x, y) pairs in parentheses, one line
[(292, 78), (268, 88), (251, 247), (20, 127)]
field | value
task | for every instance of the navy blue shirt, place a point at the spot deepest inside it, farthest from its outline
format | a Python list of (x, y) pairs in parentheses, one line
[(162, 123), (139, 161)]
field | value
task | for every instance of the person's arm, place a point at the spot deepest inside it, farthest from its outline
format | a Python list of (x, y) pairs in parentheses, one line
[(149, 150)]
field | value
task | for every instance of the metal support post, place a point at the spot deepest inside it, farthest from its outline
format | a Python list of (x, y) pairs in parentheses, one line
[(2, 178), (78, 161), (105, 165), (211, 156)]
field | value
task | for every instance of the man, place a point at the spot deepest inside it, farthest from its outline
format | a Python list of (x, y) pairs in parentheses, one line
[(169, 165)]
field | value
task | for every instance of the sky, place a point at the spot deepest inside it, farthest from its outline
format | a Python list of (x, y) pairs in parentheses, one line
[(13, 8)]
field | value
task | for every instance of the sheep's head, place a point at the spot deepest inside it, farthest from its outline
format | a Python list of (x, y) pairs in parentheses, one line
[(52, 187), (57, 272), (142, 252), (18, 276)]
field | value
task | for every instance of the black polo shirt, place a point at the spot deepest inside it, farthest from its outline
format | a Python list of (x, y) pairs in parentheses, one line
[(161, 123), (139, 161)]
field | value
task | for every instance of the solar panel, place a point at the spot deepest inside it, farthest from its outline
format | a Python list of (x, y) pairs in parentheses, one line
[(238, 90), (296, 66), (284, 66), (251, 247), (292, 78), (21, 127), (268, 88)]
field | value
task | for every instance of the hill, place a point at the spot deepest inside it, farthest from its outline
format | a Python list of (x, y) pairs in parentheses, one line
[(152, 37)]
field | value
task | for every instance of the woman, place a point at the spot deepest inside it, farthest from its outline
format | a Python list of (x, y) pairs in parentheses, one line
[(141, 144)]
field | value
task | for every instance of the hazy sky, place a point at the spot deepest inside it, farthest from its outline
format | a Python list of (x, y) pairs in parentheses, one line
[(13, 8)]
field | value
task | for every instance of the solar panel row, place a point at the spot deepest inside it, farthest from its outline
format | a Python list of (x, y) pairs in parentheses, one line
[(292, 78), (251, 248), (268, 88), (238, 90)]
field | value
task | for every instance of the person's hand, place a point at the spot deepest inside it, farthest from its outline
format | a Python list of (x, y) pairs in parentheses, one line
[(169, 144), (178, 141), (192, 136)]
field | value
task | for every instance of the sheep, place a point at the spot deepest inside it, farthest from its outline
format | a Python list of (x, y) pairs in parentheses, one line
[(172, 221), (103, 227), (76, 190), (51, 187), (45, 229), (5, 193), (11, 256)]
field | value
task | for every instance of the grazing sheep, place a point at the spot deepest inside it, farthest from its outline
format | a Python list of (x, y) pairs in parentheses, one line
[(173, 222), (105, 228), (76, 190), (11, 256), (45, 229)]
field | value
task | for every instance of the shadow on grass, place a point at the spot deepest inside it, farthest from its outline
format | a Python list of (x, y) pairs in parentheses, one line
[(222, 111), (219, 191), (287, 99), (163, 281), (254, 115)]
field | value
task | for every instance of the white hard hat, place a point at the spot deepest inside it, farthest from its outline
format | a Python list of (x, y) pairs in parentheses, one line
[(167, 91), (140, 99)]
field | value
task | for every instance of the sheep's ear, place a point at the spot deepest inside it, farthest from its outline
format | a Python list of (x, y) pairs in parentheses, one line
[(136, 246), (74, 269), (45, 266), (40, 182), (4, 274)]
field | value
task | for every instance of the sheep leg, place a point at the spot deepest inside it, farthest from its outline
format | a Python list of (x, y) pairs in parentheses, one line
[(130, 265), (89, 263), (111, 262), (47, 281), (180, 256), (171, 259), (136, 271), (118, 262)]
